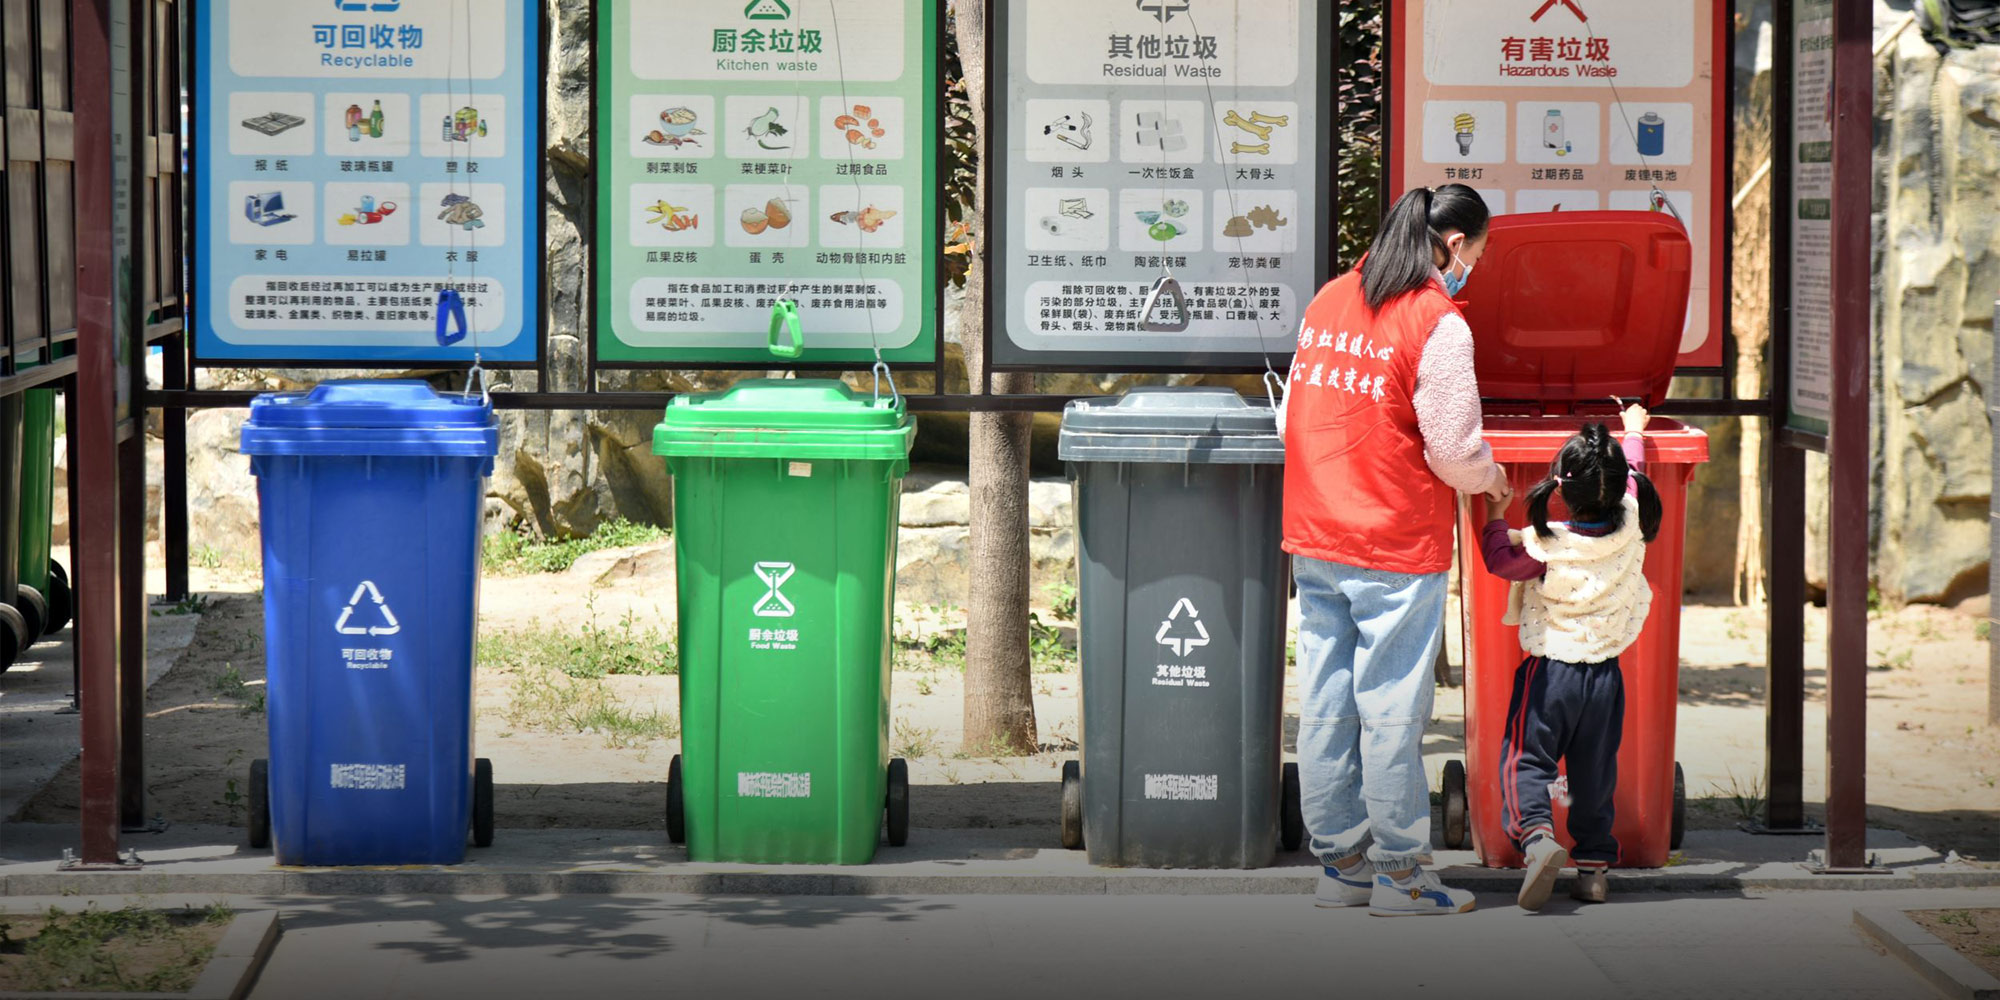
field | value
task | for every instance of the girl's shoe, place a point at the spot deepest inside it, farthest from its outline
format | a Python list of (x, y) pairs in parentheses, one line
[(1546, 859), (1421, 894), (1591, 886), (1337, 889)]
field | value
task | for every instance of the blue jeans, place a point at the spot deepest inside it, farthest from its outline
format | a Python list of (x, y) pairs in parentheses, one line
[(1367, 642)]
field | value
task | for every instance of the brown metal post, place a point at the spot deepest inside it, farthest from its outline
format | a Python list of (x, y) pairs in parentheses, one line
[(95, 475), (1784, 516), (1847, 441)]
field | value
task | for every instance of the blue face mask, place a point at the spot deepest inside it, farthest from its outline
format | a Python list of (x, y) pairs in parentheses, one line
[(1456, 284)]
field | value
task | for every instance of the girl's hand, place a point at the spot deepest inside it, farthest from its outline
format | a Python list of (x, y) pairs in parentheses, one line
[(1498, 502), (1635, 419)]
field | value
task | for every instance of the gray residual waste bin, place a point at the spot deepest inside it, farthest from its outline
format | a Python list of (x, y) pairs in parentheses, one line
[(1181, 605)]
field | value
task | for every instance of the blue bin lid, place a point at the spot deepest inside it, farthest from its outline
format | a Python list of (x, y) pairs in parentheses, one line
[(1193, 425), (391, 417)]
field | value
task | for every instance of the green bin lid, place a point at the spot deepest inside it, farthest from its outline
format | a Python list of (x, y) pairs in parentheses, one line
[(1197, 425), (786, 418)]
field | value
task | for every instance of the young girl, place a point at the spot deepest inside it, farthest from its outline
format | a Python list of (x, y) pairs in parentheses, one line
[(1580, 598)]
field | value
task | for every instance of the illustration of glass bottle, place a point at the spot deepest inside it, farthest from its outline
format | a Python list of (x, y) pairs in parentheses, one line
[(375, 121), (1555, 133)]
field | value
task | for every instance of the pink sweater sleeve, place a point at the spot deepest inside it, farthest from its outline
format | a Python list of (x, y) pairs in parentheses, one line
[(1448, 417)]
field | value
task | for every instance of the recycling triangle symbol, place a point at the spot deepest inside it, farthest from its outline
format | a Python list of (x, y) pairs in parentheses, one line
[(1183, 635), (367, 589)]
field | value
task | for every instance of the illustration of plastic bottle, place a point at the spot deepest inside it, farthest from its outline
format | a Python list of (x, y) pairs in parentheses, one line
[(1555, 133)]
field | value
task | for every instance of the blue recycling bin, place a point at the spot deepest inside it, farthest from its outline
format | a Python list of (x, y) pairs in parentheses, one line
[(371, 496)]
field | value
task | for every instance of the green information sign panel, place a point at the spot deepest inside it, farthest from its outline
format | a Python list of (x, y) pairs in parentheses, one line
[(764, 151)]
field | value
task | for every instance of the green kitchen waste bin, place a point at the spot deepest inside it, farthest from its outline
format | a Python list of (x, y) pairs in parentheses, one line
[(37, 570), (785, 509)]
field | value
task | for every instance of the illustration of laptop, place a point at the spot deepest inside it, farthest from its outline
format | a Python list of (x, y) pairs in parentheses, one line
[(267, 209)]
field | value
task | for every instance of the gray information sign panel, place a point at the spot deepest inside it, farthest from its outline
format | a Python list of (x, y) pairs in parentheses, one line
[(1150, 137)]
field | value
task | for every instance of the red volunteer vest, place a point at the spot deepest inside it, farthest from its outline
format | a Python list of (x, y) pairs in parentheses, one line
[(1357, 488)]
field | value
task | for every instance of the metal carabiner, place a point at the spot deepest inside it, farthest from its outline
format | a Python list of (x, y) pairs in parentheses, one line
[(1274, 387), (881, 371), (1165, 285)]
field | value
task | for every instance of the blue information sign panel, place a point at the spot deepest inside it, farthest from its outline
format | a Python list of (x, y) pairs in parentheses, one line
[(352, 158)]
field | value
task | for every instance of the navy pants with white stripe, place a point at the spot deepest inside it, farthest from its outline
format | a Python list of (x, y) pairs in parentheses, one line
[(1573, 713)]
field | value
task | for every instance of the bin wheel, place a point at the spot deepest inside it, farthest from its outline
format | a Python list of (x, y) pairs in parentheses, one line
[(62, 602), (260, 804), (34, 609), (1072, 805), (677, 831), (1291, 819), (482, 803), (1680, 808), (899, 802), (13, 633), (1453, 794)]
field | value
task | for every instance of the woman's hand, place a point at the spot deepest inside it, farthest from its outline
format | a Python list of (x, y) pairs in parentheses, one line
[(1635, 419)]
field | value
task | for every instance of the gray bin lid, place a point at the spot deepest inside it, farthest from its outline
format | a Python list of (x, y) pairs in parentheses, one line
[(1202, 425)]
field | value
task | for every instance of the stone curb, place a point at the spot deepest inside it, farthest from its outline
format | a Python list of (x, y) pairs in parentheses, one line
[(229, 974), (1953, 974), (720, 880)]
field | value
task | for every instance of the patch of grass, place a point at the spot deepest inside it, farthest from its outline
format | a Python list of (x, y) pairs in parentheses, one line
[(127, 950), (1956, 918), (1983, 631), (913, 741), (545, 698), (591, 651), (1676, 859), (205, 556), (945, 651), (231, 685), (1062, 598), (1747, 800), (925, 684), (193, 604), (1047, 653), (515, 553)]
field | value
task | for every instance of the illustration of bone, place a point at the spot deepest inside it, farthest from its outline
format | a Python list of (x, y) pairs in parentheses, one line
[(1263, 119), (1262, 132), (1071, 130), (1241, 149)]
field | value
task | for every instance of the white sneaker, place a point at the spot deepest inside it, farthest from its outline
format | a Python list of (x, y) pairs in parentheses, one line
[(1337, 890), (1546, 859), (1421, 894)]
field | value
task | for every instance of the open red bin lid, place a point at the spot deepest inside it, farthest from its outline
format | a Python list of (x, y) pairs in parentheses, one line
[(1579, 306)]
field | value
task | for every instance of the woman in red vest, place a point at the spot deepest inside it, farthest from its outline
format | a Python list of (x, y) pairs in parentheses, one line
[(1382, 432)]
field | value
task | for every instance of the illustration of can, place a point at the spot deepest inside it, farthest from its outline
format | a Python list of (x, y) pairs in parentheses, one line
[(1652, 135), (1554, 131)]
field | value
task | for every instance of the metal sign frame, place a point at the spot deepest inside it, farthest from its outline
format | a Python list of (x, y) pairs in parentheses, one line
[(1284, 342), (534, 322), (936, 154)]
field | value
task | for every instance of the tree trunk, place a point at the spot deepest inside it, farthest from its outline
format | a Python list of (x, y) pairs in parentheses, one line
[(1752, 326), (999, 694)]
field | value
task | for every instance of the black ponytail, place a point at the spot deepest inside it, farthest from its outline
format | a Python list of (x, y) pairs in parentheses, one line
[(1404, 253), (1590, 472)]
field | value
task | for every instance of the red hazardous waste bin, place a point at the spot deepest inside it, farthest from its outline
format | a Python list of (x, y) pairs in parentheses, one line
[(1569, 310)]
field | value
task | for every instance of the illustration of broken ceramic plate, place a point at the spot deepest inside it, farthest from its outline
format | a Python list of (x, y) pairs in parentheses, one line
[(1147, 218), (1175, 208), (1076, 208), (1164, 231)]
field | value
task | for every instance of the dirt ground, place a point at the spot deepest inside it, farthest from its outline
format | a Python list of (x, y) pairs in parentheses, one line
[(1933, 761), (1972, 933)]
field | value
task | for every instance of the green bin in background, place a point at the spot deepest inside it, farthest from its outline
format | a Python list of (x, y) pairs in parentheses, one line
[(37, 569), (786, 494)]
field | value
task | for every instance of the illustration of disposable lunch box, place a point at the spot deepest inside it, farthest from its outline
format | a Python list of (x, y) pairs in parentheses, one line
[(267, 209), (273, 123)]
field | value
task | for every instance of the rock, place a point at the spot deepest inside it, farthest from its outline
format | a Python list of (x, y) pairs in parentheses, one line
[(222, 494), (934, 544), (651, 561)]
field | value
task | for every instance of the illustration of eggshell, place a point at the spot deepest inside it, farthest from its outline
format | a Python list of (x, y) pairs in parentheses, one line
[(755, 221), (777, 213)]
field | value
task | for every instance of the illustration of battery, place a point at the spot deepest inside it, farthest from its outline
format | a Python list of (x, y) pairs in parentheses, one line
[(1652, 135), (1555, 133)]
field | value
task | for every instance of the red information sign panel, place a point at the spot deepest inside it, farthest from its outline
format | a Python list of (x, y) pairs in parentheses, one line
[(1573, 105)]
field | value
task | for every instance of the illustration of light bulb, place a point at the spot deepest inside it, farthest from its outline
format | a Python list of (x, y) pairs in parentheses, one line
[(1463, 124)]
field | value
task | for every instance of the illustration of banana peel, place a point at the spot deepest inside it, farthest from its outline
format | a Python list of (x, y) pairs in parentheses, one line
[(673, 218)]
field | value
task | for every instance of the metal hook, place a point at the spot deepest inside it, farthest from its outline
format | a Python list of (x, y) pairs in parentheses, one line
[(477, 373), (450, 316), (1165, 285), (1274, 387), (881, 371)]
